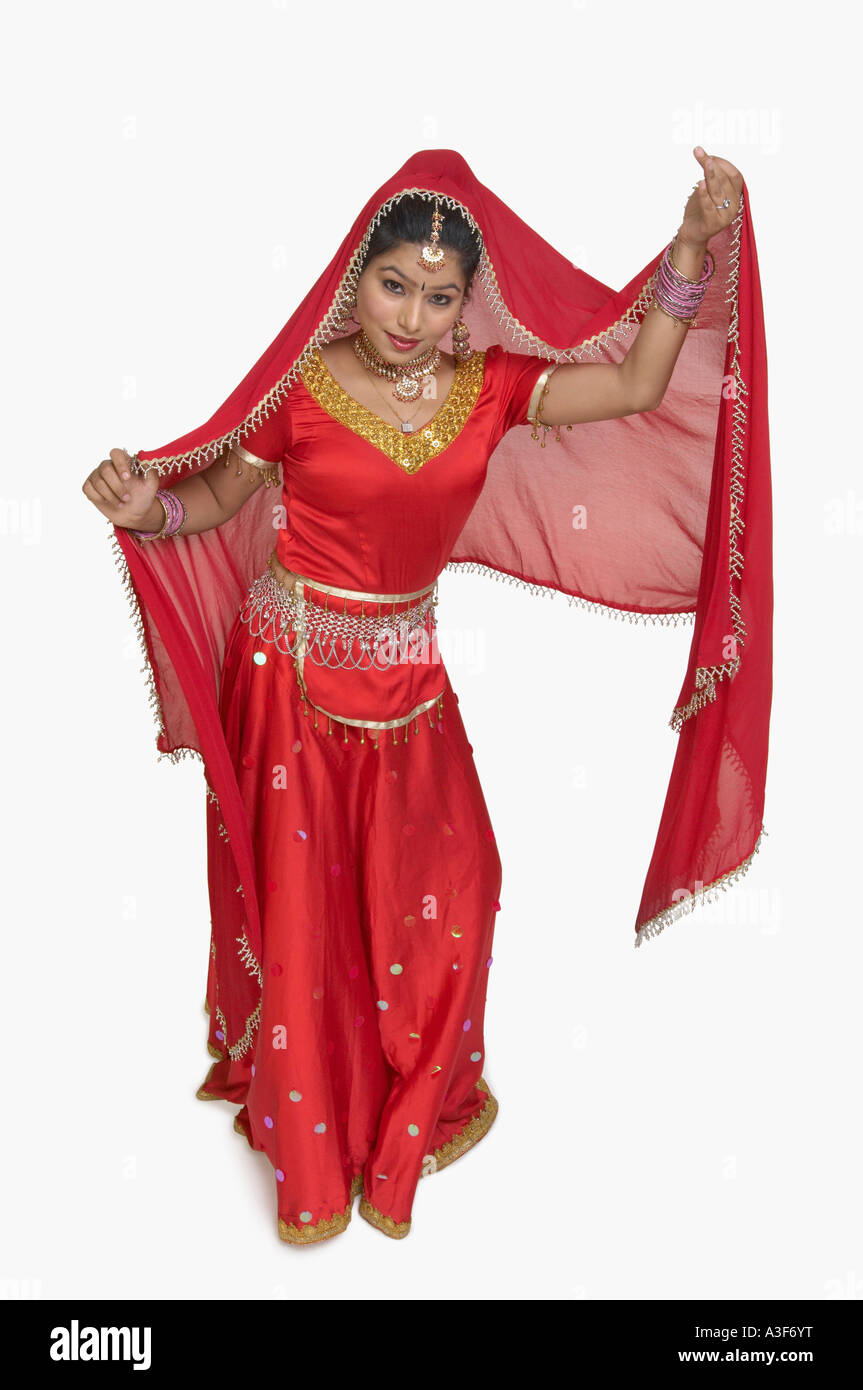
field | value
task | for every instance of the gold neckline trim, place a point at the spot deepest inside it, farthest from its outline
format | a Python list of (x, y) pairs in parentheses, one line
[(409, 451)]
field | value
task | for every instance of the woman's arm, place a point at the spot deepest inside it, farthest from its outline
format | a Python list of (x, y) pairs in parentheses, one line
[(211, 497), (578, 392)]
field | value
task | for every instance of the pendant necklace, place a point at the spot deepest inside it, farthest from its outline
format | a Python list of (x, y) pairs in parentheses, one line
[(406, 426)]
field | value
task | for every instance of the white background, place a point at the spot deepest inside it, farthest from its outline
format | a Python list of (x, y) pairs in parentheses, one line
[(677, 1121)]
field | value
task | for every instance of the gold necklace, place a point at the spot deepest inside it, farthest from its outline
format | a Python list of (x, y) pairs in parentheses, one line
[(405, 426), (407, 377)]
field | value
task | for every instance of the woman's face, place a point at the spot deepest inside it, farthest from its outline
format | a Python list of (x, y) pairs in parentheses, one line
[(396, 296)]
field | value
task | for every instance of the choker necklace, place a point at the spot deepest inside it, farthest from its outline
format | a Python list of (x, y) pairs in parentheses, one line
[(407, 378)]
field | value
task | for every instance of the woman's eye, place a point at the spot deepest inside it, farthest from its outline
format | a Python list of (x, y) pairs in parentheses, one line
[(440, 300)]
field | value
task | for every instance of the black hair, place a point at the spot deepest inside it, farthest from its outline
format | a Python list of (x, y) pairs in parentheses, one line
[(410, 219)]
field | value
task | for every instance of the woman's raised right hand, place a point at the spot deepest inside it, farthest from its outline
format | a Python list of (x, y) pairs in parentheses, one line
[(124, 497)]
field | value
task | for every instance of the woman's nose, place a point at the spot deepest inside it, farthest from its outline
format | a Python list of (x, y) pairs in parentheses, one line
[(410, 317)]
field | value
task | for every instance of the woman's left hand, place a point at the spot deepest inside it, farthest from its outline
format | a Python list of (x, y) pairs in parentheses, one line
[(702, 218)]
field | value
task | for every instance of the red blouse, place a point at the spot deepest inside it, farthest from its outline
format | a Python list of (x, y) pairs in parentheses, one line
[(368, 508)]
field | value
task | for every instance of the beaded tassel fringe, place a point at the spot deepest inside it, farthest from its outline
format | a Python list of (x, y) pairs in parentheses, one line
[(176, 754), (702, 895), (363, 729), (547, 591)]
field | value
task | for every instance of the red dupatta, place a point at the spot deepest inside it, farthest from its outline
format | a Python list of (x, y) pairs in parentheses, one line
[(678, 502)]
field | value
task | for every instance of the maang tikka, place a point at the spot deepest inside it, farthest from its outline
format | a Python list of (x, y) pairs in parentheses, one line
[(432, 257)]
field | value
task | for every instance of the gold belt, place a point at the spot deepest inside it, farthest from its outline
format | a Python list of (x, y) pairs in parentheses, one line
[(296, 583)]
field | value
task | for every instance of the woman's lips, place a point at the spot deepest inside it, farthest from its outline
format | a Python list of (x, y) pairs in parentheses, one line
[(403, 344)]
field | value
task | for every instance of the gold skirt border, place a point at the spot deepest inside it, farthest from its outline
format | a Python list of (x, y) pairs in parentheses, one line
[(475, 1129)]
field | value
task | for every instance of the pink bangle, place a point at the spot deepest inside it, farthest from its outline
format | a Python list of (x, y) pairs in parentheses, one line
[(175, 515), (674, 292)]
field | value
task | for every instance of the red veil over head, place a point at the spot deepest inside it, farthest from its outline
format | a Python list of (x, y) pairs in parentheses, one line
[(678, 502)]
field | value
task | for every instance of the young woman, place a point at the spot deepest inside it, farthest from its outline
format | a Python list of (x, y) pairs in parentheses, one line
[(290, 638)]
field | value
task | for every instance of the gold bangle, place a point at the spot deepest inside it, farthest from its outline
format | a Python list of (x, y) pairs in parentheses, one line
[(160, 534), (538, 391), (536, 419), (687, 278), (675, 317)]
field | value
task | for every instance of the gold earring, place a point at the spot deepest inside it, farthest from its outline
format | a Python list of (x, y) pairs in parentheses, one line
[(461, 348)]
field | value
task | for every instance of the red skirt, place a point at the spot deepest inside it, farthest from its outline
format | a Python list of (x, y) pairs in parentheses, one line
[(359, 1068)]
